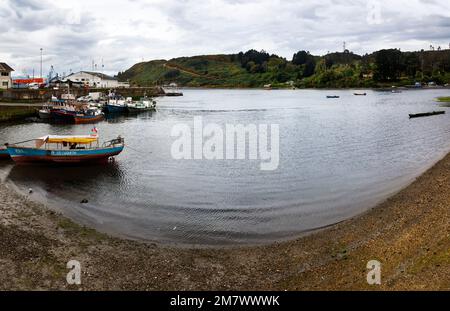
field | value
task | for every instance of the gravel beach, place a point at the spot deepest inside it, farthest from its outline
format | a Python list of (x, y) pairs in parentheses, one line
[(409, 234)]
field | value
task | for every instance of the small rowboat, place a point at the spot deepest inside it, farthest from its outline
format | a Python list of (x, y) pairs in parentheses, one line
[(332, 96), (360, 94), (426, 114), (66, 149), (4, 154)]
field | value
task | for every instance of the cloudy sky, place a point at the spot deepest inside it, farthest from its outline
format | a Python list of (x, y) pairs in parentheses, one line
[(73, 34)]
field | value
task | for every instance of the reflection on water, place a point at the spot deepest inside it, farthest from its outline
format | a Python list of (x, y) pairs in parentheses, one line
[(337, 158)]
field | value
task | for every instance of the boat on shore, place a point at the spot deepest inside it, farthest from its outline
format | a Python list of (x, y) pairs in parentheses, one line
[(65, 149), (426, 114)]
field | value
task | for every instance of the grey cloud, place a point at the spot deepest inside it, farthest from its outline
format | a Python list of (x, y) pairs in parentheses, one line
[(123, 32)]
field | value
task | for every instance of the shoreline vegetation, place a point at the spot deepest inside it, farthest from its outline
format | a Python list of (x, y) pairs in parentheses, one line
[(381, 69), (408, 234)]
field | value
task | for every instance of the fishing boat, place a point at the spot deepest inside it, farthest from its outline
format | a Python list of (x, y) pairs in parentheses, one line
[(4, 154), (145, 104), (44, 112), (426, 114), (360, 94), (332, 96), (63, 115), (117, 103), (90, 115), (65, 149)]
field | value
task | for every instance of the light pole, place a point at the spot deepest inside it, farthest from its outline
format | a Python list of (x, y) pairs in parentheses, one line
[(41, 62)]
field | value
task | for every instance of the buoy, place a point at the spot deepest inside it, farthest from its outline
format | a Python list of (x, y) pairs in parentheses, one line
[(84, 201), (30, 191)]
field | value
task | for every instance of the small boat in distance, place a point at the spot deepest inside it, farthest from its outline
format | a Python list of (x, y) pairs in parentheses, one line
[(360, 94), (66, 149), (426, 114), (332, 96), (4, 154), (172, 90)]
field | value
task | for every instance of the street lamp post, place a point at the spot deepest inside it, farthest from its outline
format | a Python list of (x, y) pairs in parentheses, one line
[(41, 62)]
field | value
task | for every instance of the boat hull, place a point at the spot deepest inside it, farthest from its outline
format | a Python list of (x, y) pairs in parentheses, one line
[(115, 109), (33, 155), (88, 119), (62, 116), (45, 115), (4, 154)]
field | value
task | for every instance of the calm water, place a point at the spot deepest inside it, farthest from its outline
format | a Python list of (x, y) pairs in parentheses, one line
[(338, 157)]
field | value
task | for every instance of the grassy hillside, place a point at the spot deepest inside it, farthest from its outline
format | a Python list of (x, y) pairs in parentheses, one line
[(256, 69)]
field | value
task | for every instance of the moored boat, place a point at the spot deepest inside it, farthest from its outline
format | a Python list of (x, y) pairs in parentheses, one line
[(44, 112), (426, 114), (145, 104), (4, 154), (360, 94), (115, 107), (65, 149), (63, 115), (90, 115), (332, 96)]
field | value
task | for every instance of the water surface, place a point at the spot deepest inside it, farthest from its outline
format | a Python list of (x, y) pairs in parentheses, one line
[(338, 157)]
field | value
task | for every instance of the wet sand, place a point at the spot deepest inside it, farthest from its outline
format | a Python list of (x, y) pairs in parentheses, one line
[(408, 233)]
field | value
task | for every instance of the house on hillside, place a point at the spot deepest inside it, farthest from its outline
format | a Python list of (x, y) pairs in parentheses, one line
[(95, 80), (5, 76)]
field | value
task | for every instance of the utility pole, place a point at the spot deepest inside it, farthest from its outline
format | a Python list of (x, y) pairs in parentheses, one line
[(41, 61)]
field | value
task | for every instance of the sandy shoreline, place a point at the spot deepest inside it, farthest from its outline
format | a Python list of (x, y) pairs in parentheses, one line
[(409, 234)]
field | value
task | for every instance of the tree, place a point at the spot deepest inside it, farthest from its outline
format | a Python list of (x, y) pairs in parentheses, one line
[(300, 58), (388, 65)]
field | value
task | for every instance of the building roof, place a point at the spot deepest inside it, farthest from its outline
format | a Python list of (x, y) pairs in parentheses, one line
[(97, 74), (5, 67)]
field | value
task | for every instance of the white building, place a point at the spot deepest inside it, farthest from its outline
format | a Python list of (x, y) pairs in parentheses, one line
[(95, 80), (5, 76)]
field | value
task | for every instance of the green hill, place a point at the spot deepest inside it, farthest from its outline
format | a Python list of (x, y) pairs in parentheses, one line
[(256, 69)]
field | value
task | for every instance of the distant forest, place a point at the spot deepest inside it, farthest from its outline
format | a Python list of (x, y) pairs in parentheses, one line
[(334, 70)]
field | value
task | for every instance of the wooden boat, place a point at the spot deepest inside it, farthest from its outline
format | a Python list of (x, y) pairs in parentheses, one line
[(332, 96), (63, 115), (65, 149), (360, 94), (4, 154), (426, 114), (90, 115)]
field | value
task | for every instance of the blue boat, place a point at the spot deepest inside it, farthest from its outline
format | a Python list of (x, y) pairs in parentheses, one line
[(115, 108), (4, 154), (66, 149)]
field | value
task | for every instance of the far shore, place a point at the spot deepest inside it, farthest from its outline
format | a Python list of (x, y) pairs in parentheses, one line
[(408, 234)]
